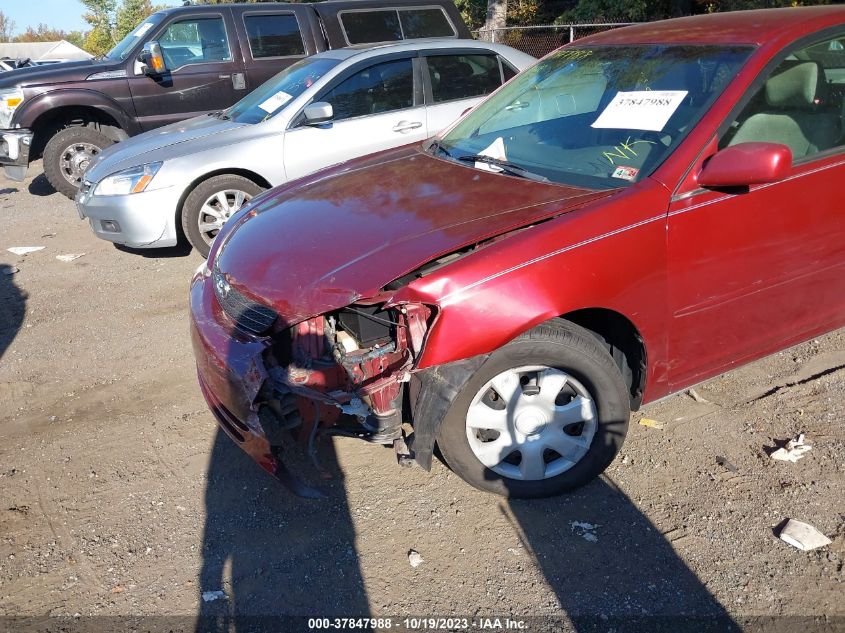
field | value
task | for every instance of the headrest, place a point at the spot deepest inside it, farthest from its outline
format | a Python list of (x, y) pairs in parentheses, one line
[(795, 86)]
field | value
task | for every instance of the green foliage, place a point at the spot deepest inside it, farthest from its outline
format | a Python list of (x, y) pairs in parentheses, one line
[(130, 14)]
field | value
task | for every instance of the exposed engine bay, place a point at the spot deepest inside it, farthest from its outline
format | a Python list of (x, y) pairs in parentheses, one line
[(344, 374)]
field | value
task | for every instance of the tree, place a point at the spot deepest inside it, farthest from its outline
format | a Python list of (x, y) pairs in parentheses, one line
[(130, 14), (7, 27), (101, 16), (497, 14)]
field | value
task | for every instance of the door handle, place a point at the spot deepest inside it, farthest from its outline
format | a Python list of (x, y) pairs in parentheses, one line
[(238, 81), (406, 126)]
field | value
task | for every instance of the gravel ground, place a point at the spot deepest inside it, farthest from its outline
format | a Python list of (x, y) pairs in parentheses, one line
[(118, 496)]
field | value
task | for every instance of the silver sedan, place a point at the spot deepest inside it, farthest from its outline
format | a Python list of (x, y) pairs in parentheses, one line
[(190, 177)]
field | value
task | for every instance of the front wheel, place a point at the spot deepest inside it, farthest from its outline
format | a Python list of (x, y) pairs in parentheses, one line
[(545, 414), (211, 204), (68, 154)]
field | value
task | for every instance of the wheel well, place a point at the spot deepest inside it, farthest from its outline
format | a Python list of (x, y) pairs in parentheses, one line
[(249, 175), (624, 343), (46, 125)]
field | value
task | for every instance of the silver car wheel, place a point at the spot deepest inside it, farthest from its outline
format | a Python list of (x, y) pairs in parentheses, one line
[(531, 423), (75, 160), (217, 209)]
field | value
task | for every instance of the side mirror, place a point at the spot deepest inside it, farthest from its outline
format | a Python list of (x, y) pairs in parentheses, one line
[(746, 164), (152, 59), (318, 112)]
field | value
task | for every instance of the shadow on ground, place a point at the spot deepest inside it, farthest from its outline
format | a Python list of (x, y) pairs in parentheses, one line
[(277, 555), (12, 307), (271, 552), (183, 249)]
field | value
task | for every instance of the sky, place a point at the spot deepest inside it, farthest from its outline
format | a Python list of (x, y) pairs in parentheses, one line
[(59, 14)]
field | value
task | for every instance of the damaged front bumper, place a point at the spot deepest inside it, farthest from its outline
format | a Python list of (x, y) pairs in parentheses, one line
[(14, 152), (278, 390)]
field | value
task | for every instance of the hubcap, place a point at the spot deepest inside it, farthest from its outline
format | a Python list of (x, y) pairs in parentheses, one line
[(217, 209), (75, 160), (531, 423)]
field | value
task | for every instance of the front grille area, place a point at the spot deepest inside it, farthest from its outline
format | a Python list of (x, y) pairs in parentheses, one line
[(248, 315)]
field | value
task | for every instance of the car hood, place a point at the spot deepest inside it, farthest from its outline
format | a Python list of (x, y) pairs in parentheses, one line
[(338, 236), (51, 73), (161, 144)]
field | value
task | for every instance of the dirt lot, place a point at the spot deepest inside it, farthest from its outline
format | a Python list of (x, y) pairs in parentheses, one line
[(119, 496)]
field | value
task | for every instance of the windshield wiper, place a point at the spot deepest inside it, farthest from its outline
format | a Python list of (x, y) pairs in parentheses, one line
[(505, 166), (437, 146)]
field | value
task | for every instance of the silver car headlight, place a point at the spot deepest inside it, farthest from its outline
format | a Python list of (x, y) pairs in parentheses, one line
[(10, 99), (132, 180)]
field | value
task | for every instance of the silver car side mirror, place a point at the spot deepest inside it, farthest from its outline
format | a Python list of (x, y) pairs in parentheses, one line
[(318, 112)]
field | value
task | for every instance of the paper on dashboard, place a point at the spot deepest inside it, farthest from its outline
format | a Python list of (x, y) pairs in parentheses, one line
[(275, 102), (640, 110)]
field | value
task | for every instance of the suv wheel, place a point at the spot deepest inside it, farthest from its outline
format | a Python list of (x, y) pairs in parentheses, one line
[(211, 204), (68, 154), (545, 413)]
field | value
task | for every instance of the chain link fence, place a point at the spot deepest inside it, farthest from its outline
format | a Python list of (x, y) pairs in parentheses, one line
[(540, 40)]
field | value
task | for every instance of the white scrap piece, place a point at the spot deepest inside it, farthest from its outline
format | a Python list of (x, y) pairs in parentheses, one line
[(211, 596), (802, 535), (69, 257), (24, 250), (793, 451), (585, 530), (415, 559)]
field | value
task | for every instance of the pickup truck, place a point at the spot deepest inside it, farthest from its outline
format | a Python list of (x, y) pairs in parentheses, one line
[(182, 62)]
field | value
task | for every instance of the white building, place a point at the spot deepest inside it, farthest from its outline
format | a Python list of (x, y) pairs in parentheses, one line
[(36, 51)]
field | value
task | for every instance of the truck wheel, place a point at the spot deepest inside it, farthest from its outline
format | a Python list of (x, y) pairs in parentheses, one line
[(545, 413), (68, 154), (210, 204)]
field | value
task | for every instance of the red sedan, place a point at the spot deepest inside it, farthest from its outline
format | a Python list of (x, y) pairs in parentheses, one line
[(638, 212)]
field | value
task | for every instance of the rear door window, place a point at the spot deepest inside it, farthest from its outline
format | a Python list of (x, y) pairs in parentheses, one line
[(274, 35), (462, 76), (393, 25), (418, 23)]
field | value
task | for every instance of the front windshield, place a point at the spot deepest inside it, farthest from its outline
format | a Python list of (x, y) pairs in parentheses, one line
[(124, 47), (270, 97), (599, 117)]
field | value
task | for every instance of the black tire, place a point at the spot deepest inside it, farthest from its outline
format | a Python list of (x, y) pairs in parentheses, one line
[(558, 344), (64, 180), (196, 199)]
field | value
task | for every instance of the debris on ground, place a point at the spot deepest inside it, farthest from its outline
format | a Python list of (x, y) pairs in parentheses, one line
[(415, 559), (652, 424), (792, 451), (24, 250), (211, 596), (69, 257), (692, 393), (118, 589), (9, 270), (723, 461), (49, 235), (586, 531), (802, 535)]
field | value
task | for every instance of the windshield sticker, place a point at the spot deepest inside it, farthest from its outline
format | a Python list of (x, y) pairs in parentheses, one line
[(143, 29), (641, 110), (626, 173), (275, 102), (495, 150)]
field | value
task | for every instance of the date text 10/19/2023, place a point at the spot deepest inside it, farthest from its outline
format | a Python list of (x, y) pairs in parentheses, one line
[(419, 624)]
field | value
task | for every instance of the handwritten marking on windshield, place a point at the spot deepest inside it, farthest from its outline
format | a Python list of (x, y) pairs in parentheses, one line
[(624, 150)]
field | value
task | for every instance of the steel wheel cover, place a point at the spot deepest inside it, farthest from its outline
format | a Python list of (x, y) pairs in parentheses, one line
[(531, 423)]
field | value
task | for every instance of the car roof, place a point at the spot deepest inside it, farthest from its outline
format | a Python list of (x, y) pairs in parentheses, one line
[(735, 27), (370, 50)]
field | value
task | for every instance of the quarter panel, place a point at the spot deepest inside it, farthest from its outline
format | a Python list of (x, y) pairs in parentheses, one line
[(607, 255)]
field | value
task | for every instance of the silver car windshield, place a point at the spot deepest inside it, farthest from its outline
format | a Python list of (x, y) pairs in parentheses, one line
[(271, 97), (599, 117)]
